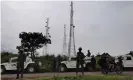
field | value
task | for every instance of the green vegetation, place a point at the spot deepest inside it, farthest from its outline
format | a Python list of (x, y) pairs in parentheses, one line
[(5, 56), (46, 60), (99, 77), (31, 41), (97, 66)]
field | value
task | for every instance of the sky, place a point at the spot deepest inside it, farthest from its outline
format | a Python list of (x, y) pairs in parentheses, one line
[(104, 26)]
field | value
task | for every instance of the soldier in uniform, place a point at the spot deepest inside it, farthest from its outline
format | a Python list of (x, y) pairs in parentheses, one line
[(54, 68), (120, 61), (88, 54), (20, 63), (59, 61), (80, 61), (103, 62)]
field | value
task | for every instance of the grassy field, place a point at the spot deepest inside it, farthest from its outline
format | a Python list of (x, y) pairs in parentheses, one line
[(100, 77)]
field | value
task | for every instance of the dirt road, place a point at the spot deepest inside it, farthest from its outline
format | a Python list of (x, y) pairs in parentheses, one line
[(35, 75)]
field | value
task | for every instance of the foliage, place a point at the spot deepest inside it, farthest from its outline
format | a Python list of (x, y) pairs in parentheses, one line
[(98, 55), (47, 61), (131, 53), (5, 56), (97, 65), (32, 41)]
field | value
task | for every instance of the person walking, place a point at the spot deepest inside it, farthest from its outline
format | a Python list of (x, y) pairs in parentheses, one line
[(80, 61)]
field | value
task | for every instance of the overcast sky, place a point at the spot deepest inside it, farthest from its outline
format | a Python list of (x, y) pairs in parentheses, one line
[(99, 26)]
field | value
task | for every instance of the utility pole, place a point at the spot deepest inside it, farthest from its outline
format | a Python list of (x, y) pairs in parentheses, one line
[(71, 45), (47, 36), (64, 42)]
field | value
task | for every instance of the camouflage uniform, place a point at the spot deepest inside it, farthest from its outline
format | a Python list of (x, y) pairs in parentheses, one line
[(20, 64), (54, 64), (80, 61), (88, 54), (58, 63), (120, 61)]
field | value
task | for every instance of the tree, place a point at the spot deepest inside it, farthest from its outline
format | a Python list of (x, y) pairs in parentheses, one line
[(131, 53), (98, 54), (32, 41)]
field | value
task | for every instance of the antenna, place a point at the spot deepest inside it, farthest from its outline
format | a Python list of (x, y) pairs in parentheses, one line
[(64, 42), (47, 36), (71, 45)]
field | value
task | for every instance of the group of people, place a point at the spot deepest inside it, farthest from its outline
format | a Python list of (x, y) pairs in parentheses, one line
[(108, 62), (105, 62), (80, 60)]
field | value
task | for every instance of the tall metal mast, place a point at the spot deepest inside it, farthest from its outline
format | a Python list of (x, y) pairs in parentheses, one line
[(64, 42), (71, 46), (47, 36)]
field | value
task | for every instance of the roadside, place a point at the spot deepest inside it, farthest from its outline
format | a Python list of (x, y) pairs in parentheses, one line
[(39, 75), (74, 77)]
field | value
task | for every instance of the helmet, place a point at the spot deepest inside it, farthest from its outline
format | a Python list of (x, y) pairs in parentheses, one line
[(80, 48)]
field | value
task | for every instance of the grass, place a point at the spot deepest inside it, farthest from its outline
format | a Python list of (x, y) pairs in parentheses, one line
[(98, 77)]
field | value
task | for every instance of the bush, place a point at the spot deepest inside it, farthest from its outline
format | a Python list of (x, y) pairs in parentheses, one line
[(97, 65), (47, 61)]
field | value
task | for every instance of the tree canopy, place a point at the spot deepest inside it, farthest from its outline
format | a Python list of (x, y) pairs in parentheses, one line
[(32, 41)]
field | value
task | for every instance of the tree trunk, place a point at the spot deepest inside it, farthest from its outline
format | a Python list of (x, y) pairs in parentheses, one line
[(32, 54)]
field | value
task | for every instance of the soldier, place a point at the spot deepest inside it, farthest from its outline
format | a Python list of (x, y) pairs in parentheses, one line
[(88, 54), (120, 61), (20, 63), (58, 62), (54, 65), (111, 63), (93, 61), (80, 61), (103, 62)]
